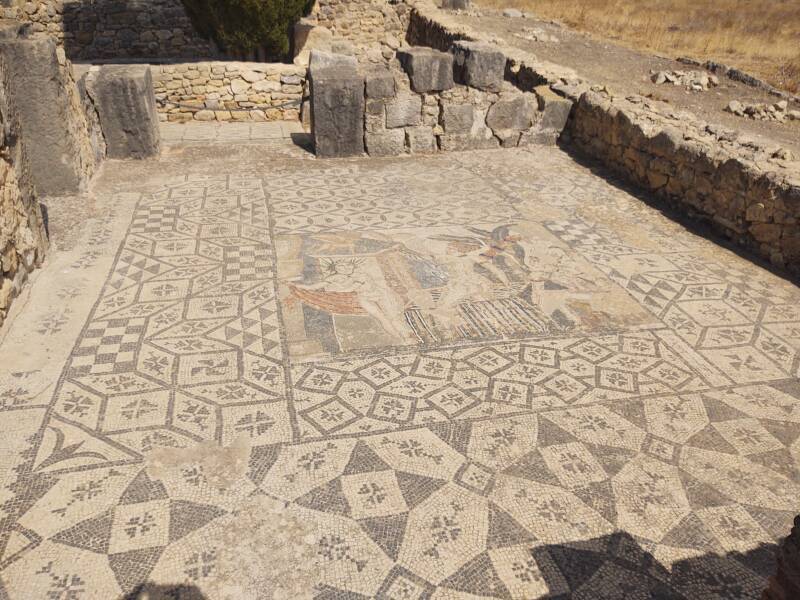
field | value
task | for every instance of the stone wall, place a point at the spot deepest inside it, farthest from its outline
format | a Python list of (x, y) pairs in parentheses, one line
[(228, 91), (115, 29), (369, 25), (399, 119), (23, 241), (748, 190)]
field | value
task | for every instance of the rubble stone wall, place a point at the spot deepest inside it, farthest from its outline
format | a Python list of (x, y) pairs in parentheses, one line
[(747, 190), (460, 118), (115, 29), (228, 91), (364, 23), (23, 241)]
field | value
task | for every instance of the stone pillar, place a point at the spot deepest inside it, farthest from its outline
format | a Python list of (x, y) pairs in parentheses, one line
[(126, 105), (52, 127), (337, 109)]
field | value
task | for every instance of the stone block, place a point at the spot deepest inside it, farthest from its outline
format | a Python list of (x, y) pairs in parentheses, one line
[(404, 111), (380, 84), (428, 69), (456, 4), (391, 142), (337, 111), (49, 132), (420, 140), (555, 109), (321, 60), (457, 118), (511, 113), (460, 142), (478, 65), (307, 37), (127, 108)]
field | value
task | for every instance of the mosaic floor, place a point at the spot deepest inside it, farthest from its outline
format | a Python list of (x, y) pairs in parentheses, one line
[(485, 375)]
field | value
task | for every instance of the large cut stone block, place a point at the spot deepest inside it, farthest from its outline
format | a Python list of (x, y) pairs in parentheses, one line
[(478, 65), (511, 113), (126, 104), (337, 111), (421, 140), (50, 125), (380, 84), (555, 109), (391, 142), (320, 60), (458, 118), (404, 111), (428, 69)]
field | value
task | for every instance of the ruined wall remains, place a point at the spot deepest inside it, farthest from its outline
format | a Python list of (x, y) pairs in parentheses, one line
[(399, 119), (367, 24), (749, 191), (23, 241), (115, 29), (228, 91)]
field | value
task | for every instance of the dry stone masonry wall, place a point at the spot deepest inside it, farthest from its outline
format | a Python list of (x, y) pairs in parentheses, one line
[(228, 91), (116, 29), (750, 191), (23, 242), (367, 24)]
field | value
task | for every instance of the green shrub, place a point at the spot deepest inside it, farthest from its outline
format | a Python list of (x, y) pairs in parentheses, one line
[(239, 27)]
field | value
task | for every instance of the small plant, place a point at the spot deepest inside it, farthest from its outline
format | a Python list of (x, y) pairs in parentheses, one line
[(242, 27)]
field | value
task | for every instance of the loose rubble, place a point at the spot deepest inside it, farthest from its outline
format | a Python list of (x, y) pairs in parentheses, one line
[(697, 81), (533, 34), (764, 112)]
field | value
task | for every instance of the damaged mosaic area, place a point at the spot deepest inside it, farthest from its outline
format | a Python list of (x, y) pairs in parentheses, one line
[(447, 377)]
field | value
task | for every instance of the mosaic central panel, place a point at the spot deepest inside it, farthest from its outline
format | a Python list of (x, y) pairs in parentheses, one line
[(350, 291)]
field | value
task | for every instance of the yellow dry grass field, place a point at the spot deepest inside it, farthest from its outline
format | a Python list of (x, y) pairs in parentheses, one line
[(761, 37)]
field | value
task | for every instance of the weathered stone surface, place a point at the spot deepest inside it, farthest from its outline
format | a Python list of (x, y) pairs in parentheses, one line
[(420, 140), (514, 113), (309, 36), (478, 65), (404, 111), (391, 142), (337, 111), (321, 60), (460, 142), (127, 109), (456, 4), (428, 69), (114, 29), (55, 140), (457, 118), (380, 83), (555, 109)]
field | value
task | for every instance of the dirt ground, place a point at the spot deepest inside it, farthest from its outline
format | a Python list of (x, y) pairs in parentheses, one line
[(627, 71)]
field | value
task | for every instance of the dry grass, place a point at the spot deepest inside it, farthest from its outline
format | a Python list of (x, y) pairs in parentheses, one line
[(761, 37)]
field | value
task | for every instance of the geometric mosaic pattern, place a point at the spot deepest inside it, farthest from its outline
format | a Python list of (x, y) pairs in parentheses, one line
[(646, 445)]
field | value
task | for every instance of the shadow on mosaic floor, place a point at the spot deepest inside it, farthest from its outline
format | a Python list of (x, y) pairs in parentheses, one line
[(694, 224), (609, 567)]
